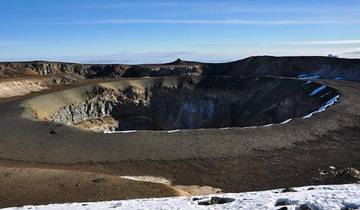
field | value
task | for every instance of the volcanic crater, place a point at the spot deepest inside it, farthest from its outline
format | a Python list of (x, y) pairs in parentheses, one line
[(199, 128), (187, 102)]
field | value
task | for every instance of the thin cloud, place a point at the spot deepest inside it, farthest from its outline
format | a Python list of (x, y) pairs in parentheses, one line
[(352, 53), (324, 42), (318, 42), (206, 22), (355, 52), (140, 4), (225, 7)]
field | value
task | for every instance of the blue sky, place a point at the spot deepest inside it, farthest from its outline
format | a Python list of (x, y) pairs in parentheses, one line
[(143, 31)]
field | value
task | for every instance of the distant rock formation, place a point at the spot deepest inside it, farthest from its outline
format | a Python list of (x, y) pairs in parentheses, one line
[(297, 67)]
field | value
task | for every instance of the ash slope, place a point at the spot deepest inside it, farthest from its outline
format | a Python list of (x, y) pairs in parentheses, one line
[(34, 186), (303, 67)]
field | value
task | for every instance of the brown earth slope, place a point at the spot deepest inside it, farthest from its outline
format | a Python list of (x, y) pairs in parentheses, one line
[(29, 186)]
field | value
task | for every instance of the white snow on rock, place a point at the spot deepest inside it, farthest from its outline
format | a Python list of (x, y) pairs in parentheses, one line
[(173, 131), (286, 121), (327, 197), (330, 102), (309, 76), (307, 82), (317, 90), (129, 131)]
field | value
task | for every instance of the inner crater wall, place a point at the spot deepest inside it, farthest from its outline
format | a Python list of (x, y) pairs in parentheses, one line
[(187, 102)]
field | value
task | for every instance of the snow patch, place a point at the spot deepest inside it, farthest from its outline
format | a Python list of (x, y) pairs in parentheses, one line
[(339, 78), (330, 102), (317, 90), (129, 131), (307, 82), (308, 76), (319, 197), (286, 121), (173, 131), (153, 179)]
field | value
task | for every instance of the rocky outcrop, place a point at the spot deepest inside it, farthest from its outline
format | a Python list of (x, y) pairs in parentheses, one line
[(216, 200), (104, 124), (298, 67), (70, 72), (99, 106), (332, 175)]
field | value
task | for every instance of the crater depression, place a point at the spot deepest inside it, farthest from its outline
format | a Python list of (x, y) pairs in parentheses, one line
[(187, 102)]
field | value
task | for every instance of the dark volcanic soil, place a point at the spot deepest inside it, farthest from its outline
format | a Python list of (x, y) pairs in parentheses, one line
[(294, 166)]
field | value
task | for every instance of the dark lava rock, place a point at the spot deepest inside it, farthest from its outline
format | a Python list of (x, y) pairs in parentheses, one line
[(288, 189), (282, 203), (348, 208), (204, 203), (341, 176), (348, 174), (52, 132), (305, 207), (216, 200), (98, 180)]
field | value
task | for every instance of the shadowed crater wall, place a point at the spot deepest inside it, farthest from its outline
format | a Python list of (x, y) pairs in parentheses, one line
[(187, 102)]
